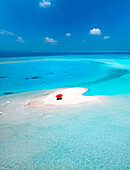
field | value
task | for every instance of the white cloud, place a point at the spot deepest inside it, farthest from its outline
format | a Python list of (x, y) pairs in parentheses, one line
[(68, 34), (95, 31), (106, 37), (4, 32), (50, 40), (20, 40), (45, 3)]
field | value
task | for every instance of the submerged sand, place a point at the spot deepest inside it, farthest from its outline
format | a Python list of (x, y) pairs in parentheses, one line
[(71, 97)]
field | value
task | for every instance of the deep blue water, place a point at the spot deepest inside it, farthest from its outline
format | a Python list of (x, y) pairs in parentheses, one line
[(93, 54)]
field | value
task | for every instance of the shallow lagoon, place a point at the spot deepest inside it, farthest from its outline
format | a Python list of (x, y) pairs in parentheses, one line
[(83, 137)]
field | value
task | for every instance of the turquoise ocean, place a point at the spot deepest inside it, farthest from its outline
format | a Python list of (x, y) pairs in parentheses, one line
[(93, 136)]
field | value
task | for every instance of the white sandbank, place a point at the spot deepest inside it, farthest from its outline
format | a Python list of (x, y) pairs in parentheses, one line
[(71, 97)]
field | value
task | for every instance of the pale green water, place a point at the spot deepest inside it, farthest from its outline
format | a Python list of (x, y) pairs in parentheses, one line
[(94, 136)]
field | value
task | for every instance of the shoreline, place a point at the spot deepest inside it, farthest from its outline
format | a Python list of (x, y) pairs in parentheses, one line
[(71, 97)]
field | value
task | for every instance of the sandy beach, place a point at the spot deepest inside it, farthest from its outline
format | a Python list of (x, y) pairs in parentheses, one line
[(71, 97)]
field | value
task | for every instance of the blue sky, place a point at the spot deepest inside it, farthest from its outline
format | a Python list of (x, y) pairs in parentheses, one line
[(64, 25)]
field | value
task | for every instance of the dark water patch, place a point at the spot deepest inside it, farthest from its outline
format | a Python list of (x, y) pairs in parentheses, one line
[(66, 72), (112, 74), (50, 73), (6, 93), (2, 77), (36, 77)]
